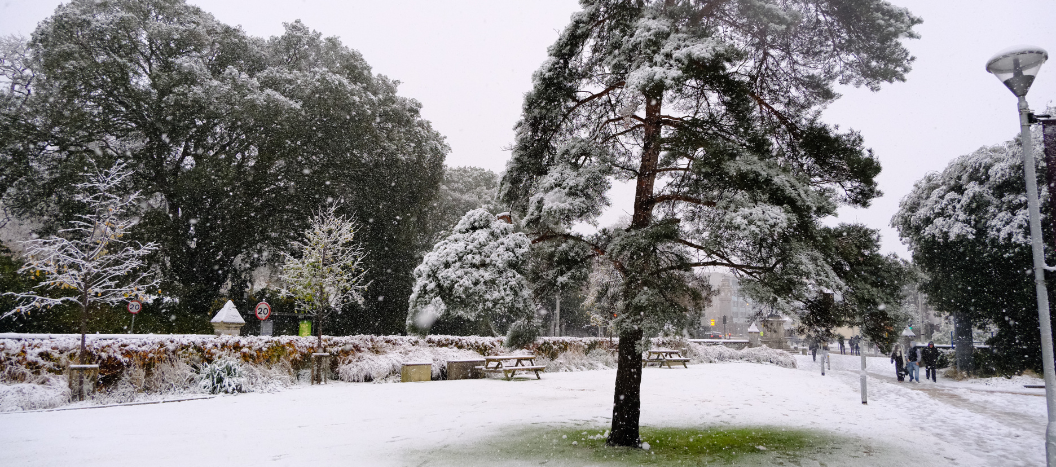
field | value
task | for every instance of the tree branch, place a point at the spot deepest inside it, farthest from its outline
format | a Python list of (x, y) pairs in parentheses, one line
[(792, 128), (683, 198)]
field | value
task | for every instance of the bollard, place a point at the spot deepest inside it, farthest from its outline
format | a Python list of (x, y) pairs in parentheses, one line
[(865, 400), (320, 368)]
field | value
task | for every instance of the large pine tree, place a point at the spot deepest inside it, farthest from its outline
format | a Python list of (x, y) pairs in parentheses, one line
[(711, 109)]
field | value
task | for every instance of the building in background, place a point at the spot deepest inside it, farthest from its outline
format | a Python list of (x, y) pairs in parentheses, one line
[(729, 302)]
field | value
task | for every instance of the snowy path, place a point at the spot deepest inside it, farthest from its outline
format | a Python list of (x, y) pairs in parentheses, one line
[(1003, 425), (400, 424)]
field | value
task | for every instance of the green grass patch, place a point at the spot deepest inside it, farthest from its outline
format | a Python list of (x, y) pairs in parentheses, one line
[(681, 446)]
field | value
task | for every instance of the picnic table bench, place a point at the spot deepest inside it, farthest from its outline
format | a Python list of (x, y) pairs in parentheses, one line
[(509, 365), (663, 357)]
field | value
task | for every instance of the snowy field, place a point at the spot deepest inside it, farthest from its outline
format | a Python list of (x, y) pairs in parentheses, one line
[(986, 422)]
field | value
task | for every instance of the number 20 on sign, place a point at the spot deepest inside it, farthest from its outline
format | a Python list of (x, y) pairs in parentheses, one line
[(133, 307), (263, 311)]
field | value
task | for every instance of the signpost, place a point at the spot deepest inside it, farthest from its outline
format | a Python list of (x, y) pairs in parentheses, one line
[(263, 311), (133, 307)]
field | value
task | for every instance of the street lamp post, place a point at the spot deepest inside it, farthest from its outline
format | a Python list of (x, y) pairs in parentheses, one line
[(1016, 67)]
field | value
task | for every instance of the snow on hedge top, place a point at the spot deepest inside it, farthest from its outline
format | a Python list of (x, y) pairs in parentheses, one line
[(228, 314)]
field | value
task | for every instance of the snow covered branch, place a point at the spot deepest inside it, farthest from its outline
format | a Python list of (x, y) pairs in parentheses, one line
[(92, 257), (329, 272)]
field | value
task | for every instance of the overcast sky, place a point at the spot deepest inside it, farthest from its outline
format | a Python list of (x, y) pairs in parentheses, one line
[(470, 62)]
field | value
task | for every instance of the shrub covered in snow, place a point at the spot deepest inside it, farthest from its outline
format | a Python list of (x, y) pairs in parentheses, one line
[(149, 367), (221, 376), (476, 273), (521, 334), (698, 353)]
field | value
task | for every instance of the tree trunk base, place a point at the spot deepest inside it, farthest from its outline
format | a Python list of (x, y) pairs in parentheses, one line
[(82, 380), (627, 403), (320, 368)]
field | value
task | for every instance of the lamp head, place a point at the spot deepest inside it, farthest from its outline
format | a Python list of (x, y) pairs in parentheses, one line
[(1017, 66)]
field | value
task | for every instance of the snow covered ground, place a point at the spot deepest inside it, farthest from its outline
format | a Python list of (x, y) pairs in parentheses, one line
[(990, 422)]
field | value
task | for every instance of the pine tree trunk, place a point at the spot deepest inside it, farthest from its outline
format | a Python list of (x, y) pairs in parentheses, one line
[(627, 402), (643, 194)]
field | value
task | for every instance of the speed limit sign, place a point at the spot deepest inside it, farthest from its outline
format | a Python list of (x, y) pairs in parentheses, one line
[(263, 311), (134, 306)]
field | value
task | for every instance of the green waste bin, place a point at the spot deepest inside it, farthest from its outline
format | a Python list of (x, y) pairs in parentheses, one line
[(305, 329)]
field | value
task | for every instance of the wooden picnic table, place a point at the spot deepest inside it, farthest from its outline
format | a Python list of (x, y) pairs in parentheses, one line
[(509, 365), (663, 357)]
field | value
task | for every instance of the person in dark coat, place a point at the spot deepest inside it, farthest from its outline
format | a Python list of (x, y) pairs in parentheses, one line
[(841, 345), (931, 358), (813, 345), (912, 357), (898, 358)]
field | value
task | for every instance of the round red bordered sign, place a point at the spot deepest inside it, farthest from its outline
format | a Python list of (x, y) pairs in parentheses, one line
[(134, 306), (263, 311)]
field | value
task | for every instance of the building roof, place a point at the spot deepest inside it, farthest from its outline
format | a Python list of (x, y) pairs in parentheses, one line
[(228, 314)]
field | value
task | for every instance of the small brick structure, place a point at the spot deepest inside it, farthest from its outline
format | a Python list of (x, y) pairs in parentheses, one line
[(227, 322), (774, 333), (464, 369), (82, 379), (420, 371), (320, 368), (753, 336)]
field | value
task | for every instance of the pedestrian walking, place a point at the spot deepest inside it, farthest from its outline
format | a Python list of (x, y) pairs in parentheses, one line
[(931, 359), (825, 358), (813, 345), (841, 345), (899, 359), (911, 364)]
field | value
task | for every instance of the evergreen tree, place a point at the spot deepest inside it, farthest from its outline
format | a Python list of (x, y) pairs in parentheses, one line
[(872, 293), (234, 140), (967, 228), (711, 109), (475, 275), (463, 189)]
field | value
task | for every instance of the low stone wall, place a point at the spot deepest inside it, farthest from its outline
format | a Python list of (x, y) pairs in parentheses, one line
[(737, 344)]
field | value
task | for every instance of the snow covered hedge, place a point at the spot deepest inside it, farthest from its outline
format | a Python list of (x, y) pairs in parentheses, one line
[(144, 367)]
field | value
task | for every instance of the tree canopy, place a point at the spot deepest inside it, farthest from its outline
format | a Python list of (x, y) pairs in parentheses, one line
[(327, 273), (234, 140), (474, 274), (92, 257), (462, 190), (712, 110), (968, 230), (872, 293)]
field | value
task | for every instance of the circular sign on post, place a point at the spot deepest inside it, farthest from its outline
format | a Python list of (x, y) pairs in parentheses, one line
[(134, 306), (263, 311)]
